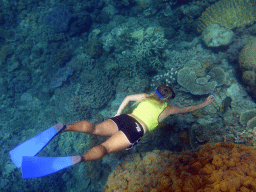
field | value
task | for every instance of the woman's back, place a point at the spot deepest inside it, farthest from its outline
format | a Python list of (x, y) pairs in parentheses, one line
[(148, 111)]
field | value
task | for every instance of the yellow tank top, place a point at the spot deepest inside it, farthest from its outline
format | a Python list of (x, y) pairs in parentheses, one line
[(148, 111)]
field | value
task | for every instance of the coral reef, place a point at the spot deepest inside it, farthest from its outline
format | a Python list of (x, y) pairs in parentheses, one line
[(150, 44), (61, 76), (149, 7), (247, 65), (94, 48), (66, 60), (139, 83), (248, 119), (22, 81), (239, 41), (80, 23), (218, 74), (58, 19), (169, 78), (184, 52), (61, 57), (143, 44), (219, 167), (102, 18), (113, 40), (249, 78), (216, 36), (81, 98), (247, 58), (197, 79), (5, 51), (229, 14)]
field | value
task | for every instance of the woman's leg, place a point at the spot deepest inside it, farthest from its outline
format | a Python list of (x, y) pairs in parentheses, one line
[(116, 142), (81, 126), (106, 128)]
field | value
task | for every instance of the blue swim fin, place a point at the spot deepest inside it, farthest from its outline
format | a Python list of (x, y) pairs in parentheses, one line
[(32, 146), (33, 167)]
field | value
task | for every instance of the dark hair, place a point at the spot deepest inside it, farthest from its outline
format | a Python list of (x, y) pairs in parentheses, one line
[(166, 91)]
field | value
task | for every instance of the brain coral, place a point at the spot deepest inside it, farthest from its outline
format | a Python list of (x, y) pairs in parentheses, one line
[(247, 66), (229, 14), (219, 167), (247, 56)]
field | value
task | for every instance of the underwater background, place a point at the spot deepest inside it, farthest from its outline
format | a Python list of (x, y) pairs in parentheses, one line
[(73, 60)]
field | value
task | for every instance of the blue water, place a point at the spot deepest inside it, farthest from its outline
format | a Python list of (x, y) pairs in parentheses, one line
[(77, 60)]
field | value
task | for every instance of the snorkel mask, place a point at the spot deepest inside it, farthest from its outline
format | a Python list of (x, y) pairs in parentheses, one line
[(162, 97), (159, 94)]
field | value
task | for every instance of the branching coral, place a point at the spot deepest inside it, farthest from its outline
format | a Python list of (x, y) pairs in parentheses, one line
[(229, 14), (219, 167)]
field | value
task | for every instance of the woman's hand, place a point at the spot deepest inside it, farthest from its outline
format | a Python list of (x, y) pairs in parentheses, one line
[(209, 100)]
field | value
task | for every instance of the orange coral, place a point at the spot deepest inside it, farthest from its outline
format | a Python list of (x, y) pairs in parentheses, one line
[(219, 167)]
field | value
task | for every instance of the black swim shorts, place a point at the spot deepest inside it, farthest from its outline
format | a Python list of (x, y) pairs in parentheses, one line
[(130, 127)]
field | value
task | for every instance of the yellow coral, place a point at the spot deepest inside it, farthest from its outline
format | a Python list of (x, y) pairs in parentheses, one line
[(229, 14)]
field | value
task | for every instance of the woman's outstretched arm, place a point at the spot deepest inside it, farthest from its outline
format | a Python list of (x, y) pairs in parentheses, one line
[(172, 110)]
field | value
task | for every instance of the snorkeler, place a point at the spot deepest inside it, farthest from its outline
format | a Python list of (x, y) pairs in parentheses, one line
[(124, 130)]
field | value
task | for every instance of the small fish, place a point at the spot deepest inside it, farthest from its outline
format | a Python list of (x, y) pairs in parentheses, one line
[(226, 103)]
